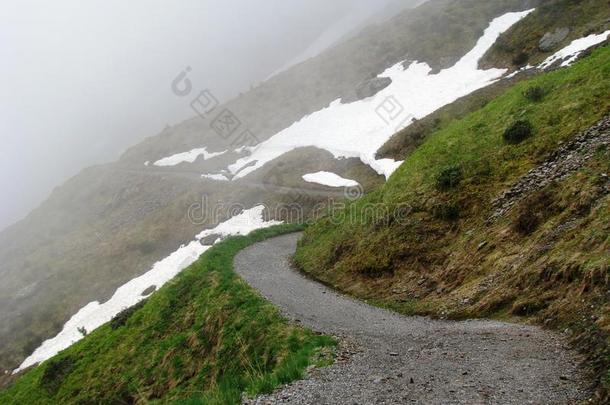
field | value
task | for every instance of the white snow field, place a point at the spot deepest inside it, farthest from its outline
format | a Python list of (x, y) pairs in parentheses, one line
[(329, 179), (360, 128), (570, 53), (217, 177), (94, 314), (567, 55), (187, 157)]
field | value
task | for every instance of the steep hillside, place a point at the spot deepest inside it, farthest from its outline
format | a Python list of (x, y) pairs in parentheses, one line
[(502, 213), (112, 223), (205, 337), (575, 19), (552, 26)]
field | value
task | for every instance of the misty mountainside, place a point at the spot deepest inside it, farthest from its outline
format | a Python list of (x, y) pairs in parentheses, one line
[(110, 223), (500, 210)]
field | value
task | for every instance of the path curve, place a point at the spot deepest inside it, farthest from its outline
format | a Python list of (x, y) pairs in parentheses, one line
[(394, 359)]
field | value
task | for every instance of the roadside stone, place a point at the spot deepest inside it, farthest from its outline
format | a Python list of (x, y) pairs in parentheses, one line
[(149, 291), (210, 239)]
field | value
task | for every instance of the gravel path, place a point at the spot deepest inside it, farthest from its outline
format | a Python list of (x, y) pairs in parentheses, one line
[(386, 358)]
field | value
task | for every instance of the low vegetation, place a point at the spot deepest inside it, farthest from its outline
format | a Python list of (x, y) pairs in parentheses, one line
[(518, 132), (205, 337), (449, 177), (535, 210), (534, 93), (546, 260)]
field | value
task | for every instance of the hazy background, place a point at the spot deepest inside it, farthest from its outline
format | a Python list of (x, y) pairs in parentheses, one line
[(83, 80)]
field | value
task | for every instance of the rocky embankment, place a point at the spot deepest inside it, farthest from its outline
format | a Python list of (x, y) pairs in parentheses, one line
[(567, 159)]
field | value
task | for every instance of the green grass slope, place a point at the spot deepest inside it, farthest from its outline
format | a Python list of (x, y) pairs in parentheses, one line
[(205, 337), (422, 243)]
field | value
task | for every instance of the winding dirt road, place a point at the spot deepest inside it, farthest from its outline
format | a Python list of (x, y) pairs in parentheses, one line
[(387, 358)]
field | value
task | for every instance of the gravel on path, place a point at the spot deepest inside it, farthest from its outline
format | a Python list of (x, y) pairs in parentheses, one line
[(387, 358)]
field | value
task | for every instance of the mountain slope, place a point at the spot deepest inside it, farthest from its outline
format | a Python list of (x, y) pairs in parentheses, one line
[(469, 226), (111, 223), (429, 241), (205, 336)]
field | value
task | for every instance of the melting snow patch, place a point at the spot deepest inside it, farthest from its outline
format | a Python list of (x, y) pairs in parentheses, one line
[(94, 314), (242, 224), (516, 72), (570, 53), (359, 129), (187, 157), (329, 179), (217, 177)]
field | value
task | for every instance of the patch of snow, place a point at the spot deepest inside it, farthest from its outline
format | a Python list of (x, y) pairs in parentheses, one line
[(570, 53), (359, 129), (329, 179), (187, 157), (242, 224), (147, 163), (94, 314), (516, 72), (217, 177)]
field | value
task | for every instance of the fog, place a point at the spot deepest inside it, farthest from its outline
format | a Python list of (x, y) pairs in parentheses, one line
[(82, 81)]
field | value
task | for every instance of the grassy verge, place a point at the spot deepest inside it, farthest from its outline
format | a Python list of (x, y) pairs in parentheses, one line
[(421, 244), (205, 337)]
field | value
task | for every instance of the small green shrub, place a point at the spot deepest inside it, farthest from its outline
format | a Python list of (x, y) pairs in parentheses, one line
[(534, 94), (122, 317), (521, 59), (449, 211), (56, 370), (535, 210), (449, 177), (527, 222), (518, 132)]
